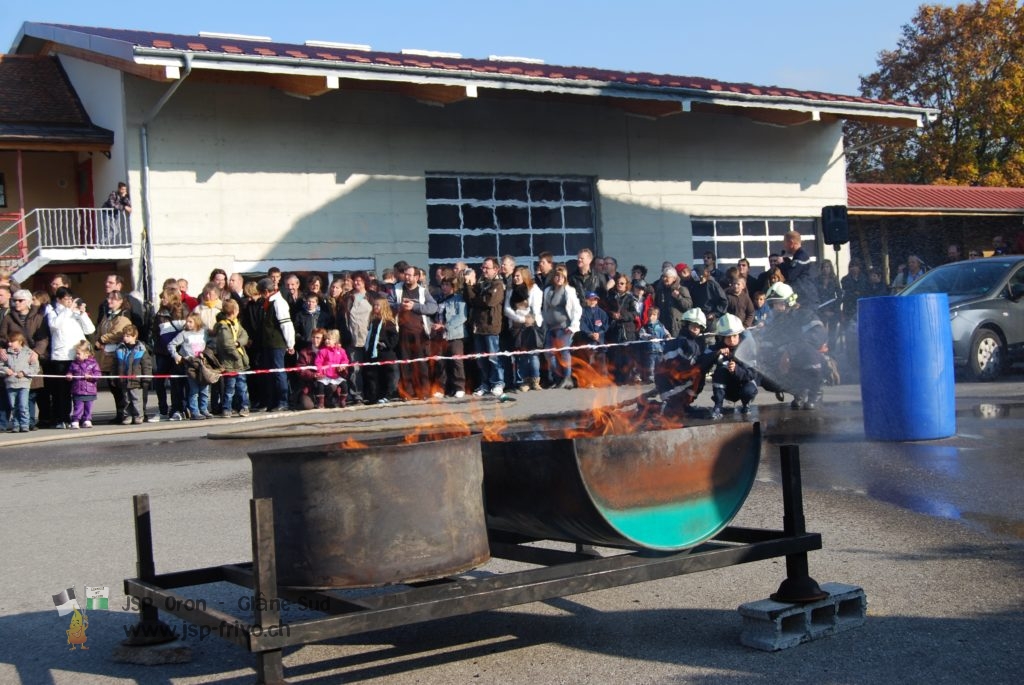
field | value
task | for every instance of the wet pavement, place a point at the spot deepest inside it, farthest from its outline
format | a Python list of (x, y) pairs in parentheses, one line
[(974, 476)]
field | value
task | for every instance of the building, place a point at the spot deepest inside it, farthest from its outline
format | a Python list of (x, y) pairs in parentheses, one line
[(242, 153), (889, 221)]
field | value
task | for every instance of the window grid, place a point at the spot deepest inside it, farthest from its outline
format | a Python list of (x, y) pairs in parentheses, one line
[(470, 217), (732, 239)]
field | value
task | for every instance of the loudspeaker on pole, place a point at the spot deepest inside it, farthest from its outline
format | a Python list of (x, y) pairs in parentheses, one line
[(834, 225)]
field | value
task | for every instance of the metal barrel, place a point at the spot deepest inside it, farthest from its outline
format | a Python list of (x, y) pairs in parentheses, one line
[(662, 489), (377, 514)]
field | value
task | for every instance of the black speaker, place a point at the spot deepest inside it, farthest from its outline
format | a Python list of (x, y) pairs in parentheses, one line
[(834, 226)]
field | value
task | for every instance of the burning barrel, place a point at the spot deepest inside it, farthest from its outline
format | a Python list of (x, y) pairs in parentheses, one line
[(655, 489), (359, 515)]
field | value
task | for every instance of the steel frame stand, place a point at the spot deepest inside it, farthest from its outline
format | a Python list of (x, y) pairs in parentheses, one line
[(560, 573)]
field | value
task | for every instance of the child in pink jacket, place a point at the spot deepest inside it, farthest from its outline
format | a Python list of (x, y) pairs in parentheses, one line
[(331, 387)]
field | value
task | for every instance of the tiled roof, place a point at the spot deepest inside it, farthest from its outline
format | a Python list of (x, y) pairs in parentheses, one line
[(285, 51), (37, 103), (886, 196)]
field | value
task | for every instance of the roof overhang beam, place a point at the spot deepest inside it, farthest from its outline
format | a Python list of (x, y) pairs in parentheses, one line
[(901, 116)]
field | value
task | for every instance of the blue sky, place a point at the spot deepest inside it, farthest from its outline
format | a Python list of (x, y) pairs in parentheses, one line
[(805, 44)]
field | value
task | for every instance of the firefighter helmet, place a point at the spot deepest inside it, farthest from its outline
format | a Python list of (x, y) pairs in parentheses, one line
[(696, 316), (729, 324), (781, 291)]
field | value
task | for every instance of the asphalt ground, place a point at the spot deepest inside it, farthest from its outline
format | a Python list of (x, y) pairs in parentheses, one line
[(945, 596)]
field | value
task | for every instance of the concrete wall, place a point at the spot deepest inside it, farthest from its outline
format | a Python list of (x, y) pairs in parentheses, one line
[(102, 94), (243, 175)]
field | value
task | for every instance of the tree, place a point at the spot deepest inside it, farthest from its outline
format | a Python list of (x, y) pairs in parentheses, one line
[(968, 63)]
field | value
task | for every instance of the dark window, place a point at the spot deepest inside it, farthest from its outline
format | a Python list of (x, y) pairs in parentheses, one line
[(477, 189), (577, 191), (731, 239), (510, 216), (545, 191), (442, 188), (475, 217), (480, 246), (755, 228), (514, 244), (510, 189), (545, 218), (724, 228), (729, 250), (703, 229), (443, 216), (755, 249), (700, 247), (443, 245), (549, 242), (805, 227)]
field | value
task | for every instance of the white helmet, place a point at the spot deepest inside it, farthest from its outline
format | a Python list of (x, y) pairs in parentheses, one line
[(696, 316), (728, 324), (781, 291)]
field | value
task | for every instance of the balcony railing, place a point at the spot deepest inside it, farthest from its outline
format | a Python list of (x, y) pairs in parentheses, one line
[(79, 233)]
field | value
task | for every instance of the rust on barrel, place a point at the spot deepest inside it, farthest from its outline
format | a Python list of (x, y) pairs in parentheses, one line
[(375, 513)]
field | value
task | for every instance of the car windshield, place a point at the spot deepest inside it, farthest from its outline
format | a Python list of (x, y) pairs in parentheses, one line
[(962, 279)]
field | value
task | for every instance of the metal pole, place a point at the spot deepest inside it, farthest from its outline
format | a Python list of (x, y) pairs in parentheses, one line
[(798, 585), (150, 630), (269, 664)]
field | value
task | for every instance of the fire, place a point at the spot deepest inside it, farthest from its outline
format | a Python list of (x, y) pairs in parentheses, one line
[(492, 430), (607, 416), (451, 426), (589, 377), (351, 443)]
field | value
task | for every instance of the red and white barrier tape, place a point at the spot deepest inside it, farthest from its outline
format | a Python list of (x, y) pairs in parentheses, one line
[(357, 365)]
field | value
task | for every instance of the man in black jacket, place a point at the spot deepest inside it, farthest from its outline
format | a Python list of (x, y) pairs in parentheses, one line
[(586, 280), (485, 301), (797, 268)]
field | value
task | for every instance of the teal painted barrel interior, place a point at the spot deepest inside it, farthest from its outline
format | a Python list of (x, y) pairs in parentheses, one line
[(665, 490)]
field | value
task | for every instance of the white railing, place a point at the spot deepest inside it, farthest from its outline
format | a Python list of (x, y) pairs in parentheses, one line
[(22, 239)]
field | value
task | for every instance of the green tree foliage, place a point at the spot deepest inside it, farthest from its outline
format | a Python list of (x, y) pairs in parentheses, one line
[(968, 63)]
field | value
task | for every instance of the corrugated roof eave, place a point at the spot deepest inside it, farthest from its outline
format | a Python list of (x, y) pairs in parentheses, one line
[(462, 71)]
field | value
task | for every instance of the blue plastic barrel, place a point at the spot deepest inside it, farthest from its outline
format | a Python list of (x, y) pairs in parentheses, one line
[(906, 367)]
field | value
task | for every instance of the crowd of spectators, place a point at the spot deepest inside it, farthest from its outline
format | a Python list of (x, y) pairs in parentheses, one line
[(284, 342)]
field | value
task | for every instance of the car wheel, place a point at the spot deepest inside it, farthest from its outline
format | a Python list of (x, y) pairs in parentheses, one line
[(986, 356)]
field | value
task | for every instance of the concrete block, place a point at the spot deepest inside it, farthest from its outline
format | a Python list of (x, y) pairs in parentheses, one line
[(770, 626)]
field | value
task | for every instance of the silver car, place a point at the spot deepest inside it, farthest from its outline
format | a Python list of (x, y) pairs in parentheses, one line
[(986, 311)]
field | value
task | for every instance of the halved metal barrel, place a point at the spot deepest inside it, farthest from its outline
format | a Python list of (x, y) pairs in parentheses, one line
[(662, 489), (374, 515)]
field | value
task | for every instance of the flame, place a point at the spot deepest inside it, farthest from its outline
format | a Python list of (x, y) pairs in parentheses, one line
[(351, 443), (589, 376), (493, 430), (606, 417), (451, 426)]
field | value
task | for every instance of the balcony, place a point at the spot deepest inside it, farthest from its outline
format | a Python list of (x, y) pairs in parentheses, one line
[(44, 236)]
